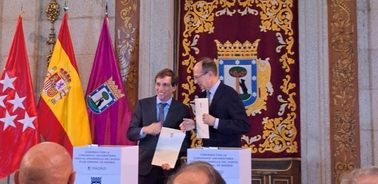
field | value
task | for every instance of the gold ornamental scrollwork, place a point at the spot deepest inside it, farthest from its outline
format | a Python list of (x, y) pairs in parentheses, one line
[(279, 133), (127, 47), (52, 13), (344, 97)]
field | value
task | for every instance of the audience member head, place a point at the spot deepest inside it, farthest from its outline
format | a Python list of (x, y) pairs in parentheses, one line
[(45, 163), (366, 175), (205, 73), (197, 172), (165, 84)]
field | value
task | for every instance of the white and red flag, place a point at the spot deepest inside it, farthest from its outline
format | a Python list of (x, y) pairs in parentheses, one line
[(18, 112)]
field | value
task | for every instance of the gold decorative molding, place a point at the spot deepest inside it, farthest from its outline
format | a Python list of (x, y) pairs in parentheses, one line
[(279, 132), (52, 13), (343, 73), (127, 45)]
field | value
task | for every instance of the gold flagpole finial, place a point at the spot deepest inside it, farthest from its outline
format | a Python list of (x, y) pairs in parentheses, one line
[(22, 10)]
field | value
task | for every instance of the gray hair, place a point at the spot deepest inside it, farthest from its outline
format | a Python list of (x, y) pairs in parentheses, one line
[(212, 174), (354, 176)]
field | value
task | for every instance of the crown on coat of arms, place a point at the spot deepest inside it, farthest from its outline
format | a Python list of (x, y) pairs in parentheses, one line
[(114, 88), (237, 49)]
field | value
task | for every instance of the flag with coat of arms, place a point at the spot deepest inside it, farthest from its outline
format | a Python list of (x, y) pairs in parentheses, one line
[(108, 108), (18, 112), (62, 105)]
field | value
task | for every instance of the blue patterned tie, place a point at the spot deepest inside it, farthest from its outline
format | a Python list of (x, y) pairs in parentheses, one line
[(208, 93), (161, 112)]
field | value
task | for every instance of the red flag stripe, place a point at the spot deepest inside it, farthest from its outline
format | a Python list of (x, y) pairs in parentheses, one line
[(53, 129), (66, 41)]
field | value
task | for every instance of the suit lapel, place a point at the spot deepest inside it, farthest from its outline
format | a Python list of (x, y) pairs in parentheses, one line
[(152, 105), (171, 113), (218, 94)]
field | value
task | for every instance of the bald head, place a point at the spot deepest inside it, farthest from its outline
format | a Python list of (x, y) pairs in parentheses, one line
[(365, 175), (46, 163), (192, 176), (205, 73), (197, 172)]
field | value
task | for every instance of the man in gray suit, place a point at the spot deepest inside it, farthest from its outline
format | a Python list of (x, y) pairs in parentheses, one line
[(147, 122)]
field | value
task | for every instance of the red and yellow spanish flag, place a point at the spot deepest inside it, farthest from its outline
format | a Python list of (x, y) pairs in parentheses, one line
[(61, 108)]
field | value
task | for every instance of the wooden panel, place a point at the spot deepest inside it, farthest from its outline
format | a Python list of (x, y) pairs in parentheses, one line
[(257, 179), (127, 46), (282, 179), (276, 171), (343, 86)]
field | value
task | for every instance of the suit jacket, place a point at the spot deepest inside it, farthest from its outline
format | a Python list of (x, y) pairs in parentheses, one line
[(145, 114), (233, 120)]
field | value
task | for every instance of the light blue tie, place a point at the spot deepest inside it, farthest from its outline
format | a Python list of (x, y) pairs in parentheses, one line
[(161, 112)]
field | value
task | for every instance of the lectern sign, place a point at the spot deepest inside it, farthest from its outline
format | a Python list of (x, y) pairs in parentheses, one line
[(234, 164), (106, 164)]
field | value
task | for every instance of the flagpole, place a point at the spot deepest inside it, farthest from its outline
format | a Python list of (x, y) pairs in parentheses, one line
[(22, 10), (8, 180), (65, 8), (106, 7)]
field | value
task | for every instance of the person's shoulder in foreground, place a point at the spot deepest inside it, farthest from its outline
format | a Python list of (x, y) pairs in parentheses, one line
[(365, 175), (46, 163), (197, 172)]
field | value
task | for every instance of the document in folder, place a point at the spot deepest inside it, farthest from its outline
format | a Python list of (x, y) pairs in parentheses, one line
[(202, 107), (168, 147)]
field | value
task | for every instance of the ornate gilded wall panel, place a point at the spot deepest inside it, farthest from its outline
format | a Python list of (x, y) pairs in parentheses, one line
[(255, 44), (343, 74), (127, 46)]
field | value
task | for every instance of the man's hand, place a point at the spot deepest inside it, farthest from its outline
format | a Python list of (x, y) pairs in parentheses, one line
[(153, 129), (187, 125), (208, 119), (166, 166)]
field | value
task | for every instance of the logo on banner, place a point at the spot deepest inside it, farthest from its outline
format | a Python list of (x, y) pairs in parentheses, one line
[(57, 84), (96, 180), (239, 67), (104, 96)]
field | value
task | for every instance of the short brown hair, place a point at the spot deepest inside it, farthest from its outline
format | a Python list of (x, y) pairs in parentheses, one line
[(167, 72)]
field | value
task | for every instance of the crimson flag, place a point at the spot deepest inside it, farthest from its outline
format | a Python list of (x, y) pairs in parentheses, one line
[(108, 108), (18, 112)]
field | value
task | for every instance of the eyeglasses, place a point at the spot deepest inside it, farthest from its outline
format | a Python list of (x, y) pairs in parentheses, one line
[(197, 77), (164, 85)]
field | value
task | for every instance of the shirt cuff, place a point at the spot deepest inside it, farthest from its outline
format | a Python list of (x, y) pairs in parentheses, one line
[(141, 134), (216, 123)]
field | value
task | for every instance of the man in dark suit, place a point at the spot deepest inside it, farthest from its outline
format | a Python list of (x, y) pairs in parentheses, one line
[(227, 118), (146, 125)]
